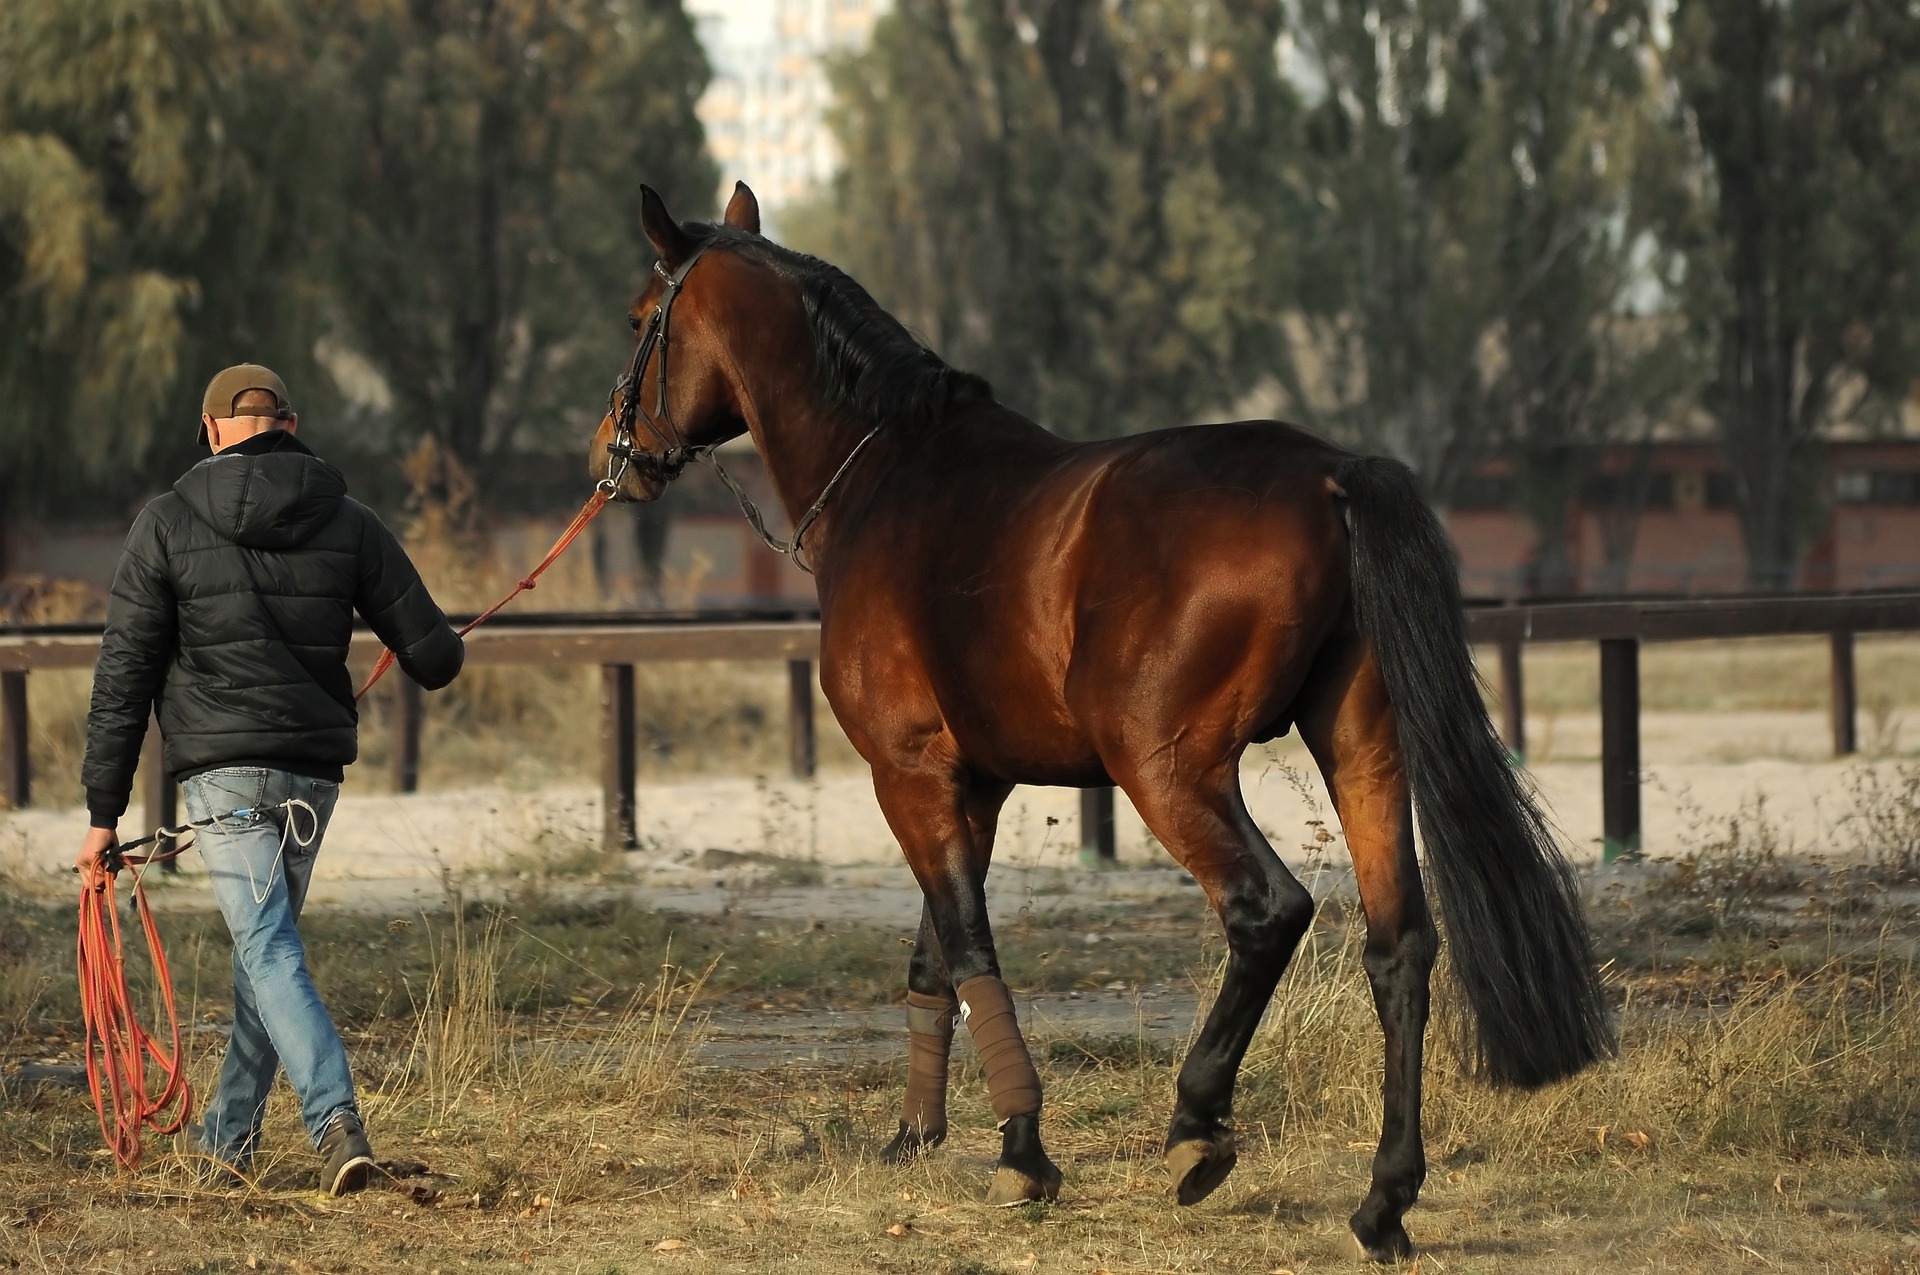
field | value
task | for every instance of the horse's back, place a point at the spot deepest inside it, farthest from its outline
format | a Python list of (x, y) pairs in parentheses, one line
[(1069, 590)]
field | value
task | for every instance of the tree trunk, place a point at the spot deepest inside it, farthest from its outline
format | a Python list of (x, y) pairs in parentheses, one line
[(478, 330)]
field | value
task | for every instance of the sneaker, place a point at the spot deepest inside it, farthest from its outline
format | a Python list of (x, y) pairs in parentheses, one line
[(348, 1157)]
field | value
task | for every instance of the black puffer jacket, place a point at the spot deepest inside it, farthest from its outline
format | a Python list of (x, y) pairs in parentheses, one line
[(231, 611)]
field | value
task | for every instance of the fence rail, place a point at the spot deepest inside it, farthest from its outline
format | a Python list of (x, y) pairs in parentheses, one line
[(618, 642)]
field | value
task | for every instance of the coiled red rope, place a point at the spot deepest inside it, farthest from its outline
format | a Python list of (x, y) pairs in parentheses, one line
[(118, 1049)]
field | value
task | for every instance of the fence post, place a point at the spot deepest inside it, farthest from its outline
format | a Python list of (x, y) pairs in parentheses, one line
[(1846, 697), (1513, 699), (1620, 748), (617, 760), (14, 757), (409, 708), (159, 798), (800, 717), (1097, 848)]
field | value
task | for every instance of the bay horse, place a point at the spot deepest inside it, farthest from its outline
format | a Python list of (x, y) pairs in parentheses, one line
[(999, 606)]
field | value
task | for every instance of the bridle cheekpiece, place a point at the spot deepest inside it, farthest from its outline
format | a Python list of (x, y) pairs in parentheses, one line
[(623, 404)]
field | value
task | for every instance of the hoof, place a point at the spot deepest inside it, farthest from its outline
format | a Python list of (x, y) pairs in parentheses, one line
[(1387, 1245), (910, 1142), (1010, 1186), (1197, 1166)]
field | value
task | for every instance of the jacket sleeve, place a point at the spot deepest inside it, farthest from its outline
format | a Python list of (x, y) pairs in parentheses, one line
[(395, 602), (135, 652)]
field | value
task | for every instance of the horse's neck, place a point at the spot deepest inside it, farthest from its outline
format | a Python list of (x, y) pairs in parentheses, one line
[(804, 440), (801, 439)]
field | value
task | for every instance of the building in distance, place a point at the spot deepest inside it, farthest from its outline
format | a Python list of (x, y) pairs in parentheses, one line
[(765, 110)]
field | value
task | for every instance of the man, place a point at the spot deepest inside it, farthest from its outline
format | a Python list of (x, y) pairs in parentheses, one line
[(230, 616)]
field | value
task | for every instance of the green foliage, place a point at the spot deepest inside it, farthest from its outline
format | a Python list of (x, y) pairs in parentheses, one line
[(120, 172), (486, 166), (1803, 256), (1435, 228), (1484, 175), (447, 191), (1579, 162), (1398, 289), (1081, 201), (1124, 216)]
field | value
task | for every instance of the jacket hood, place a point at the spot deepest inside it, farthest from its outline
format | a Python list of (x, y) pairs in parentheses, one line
[(272, 501)]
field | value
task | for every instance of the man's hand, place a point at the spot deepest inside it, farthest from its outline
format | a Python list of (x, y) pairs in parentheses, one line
[(94, 876)]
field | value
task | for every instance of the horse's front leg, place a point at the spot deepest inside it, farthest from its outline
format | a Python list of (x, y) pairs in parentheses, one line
[(932, 1013), (943, 824)]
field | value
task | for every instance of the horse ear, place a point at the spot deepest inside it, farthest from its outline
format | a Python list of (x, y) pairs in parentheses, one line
[(663, 232), (743, 210)]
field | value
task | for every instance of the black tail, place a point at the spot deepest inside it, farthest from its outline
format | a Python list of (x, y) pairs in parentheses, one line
[(1509, 899)]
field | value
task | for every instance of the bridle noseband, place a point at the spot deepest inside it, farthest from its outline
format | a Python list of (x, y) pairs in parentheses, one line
[(677, 453)]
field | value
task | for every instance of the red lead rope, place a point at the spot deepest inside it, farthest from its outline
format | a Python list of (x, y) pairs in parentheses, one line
[(117, 1068), (118, 1048), (588, 512)]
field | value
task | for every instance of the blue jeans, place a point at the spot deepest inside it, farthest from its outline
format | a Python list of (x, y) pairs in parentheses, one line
[(260, 873)]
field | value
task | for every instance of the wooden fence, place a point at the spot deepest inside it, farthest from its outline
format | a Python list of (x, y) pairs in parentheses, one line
[(618, 642)]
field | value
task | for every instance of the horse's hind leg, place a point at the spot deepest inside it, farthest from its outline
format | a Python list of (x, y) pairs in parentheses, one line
[(1348, 723), (1204, 823), (945, 828)]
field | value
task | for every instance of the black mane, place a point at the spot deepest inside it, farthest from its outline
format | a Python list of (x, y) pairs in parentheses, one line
[(866, 361)]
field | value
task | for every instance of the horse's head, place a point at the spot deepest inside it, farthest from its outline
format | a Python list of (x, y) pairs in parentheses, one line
[(674, 399)]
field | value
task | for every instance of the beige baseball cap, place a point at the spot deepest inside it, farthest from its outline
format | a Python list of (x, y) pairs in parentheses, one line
[(229, 384)]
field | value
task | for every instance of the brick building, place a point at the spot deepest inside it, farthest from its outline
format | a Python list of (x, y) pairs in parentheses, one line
[(1663, 521)]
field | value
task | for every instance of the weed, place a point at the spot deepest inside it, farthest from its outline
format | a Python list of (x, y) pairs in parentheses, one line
[(1728, 879), (1884, 823)]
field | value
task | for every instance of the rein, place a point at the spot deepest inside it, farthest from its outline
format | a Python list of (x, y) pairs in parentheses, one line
[(624, 408), (751, 512), (116, 1047), (588, 512)]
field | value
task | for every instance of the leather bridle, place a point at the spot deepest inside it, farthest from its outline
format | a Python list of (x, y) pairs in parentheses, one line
[(676, 453)]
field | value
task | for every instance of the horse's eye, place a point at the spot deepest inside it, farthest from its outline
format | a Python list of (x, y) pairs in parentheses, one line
[(633, 321)]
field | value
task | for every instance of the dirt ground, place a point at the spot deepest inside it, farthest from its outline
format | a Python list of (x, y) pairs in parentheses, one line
[(576, 1107), (1702, 771)]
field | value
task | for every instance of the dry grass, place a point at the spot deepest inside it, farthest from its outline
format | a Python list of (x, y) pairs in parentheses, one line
[(538, 1067), (57, 734), (466, 1038), (529, 726), (516, 727), (1768, 1062), (1761, 1116)]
